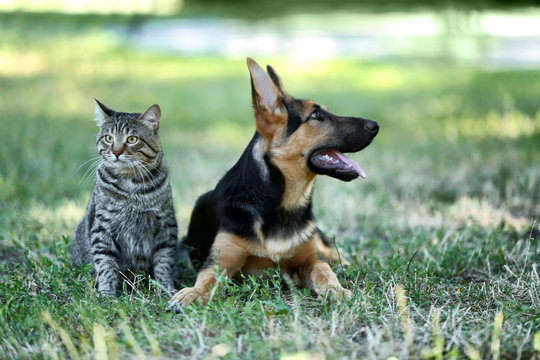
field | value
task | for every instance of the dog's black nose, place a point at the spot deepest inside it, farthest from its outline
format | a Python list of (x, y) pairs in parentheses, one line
[(372, 126)]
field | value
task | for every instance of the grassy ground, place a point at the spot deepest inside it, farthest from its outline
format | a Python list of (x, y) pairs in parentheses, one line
[(443, 233)]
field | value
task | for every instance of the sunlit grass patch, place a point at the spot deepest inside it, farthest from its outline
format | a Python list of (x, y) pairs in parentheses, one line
[(67, 214), (468, 211), (510, 125)]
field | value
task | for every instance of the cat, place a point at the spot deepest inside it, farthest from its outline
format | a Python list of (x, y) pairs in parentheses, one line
[(130, 223)]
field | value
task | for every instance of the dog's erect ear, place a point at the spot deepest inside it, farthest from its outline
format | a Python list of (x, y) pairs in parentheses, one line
[(276, 79), (270, 112), (151, 117), (101, 112)]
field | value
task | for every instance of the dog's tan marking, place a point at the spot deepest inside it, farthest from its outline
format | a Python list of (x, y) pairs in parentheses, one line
[(291, 159), (257, 266)]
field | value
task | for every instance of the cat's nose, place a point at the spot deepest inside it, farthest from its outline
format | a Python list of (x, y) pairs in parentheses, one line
[(117, 153)]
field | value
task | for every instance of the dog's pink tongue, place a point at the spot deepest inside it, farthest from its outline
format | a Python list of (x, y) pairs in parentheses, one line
[(349, 162)]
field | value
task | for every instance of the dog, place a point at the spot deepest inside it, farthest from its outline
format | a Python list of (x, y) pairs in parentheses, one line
[(260, 213)]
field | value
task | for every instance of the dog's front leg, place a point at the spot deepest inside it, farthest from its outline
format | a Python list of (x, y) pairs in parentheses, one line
[(229, 253), (315, 272), (323, 280)]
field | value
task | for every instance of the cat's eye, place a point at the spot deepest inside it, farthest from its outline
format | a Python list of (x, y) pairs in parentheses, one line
[(132, 139), (109, 138)]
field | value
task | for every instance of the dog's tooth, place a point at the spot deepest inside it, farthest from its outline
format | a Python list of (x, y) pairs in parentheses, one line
[(328, 158)]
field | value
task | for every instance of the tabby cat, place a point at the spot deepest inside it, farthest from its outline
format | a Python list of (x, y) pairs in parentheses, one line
[(129, 223)]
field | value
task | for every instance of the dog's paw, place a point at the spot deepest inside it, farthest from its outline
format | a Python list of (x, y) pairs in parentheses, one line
[(344, 293), (187, 296), (335, 294)]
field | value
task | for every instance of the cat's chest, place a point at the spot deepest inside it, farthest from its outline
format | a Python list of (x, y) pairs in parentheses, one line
[(136, 232)]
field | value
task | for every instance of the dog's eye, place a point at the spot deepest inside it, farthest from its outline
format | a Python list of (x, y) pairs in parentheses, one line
[(316, 115)]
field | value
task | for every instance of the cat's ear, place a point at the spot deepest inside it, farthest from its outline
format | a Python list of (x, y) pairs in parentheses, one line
[(151, 117), (101, 112)]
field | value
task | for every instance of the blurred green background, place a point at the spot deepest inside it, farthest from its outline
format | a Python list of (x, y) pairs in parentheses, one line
[(454, 85)]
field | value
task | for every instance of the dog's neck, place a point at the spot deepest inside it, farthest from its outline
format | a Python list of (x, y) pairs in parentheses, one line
[(298, 191), (298, 183)]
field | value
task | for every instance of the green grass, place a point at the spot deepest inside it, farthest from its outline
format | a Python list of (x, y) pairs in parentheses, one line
[(448, 212)]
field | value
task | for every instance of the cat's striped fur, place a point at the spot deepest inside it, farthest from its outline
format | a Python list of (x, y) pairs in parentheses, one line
[(130, 223)]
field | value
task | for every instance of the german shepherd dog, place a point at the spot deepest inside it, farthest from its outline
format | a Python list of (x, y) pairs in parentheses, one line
[(259, 215)]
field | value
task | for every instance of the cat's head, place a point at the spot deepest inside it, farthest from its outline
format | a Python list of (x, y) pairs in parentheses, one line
[(128, 142)]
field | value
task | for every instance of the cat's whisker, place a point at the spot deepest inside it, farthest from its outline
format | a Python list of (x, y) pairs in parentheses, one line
[(151, 177), (136, 171), (157, 169), (133, 164), (147, 176), (88, 178), (144, 170), (90, 171), (144, 173), (84, 163)]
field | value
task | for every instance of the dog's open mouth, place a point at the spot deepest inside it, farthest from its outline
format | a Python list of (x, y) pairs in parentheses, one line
[(335, 164)]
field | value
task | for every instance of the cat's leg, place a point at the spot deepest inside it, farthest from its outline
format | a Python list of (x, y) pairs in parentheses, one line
[(164, 254), (229, 253), (105, 259)]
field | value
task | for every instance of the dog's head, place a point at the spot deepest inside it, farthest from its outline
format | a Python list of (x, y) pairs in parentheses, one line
[(302, 137)]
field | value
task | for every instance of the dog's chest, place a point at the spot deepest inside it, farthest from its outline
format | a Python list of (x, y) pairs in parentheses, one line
[(281, 243)]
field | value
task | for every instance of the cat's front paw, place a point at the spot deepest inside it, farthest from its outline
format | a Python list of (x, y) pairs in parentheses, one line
[(187, 296), (107, 293)]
